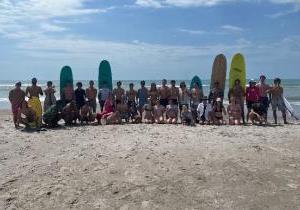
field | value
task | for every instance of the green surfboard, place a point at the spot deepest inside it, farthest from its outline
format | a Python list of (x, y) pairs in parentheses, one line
[(105, 75), (237, 70), (196, 79), (66, 76)]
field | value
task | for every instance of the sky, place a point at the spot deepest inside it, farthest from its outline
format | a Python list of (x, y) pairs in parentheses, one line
[(147, 39)]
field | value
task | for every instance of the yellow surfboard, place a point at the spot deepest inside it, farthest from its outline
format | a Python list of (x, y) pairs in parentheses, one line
[(237, 70)]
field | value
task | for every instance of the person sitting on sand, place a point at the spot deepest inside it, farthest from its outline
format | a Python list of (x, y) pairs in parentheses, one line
[(68, 94), (33, 92), (103, 94), (86, 114), (184, 96), (277, 100), (174, 92), (131, 95), (148, 110), (16, 97), (187, 117), (53, 114), (80, 96), (153, 94), (70, 113), (142, 96), (118, 93), (50, 98), (159, 111), (122, 108), (164, 93), (134, 114), (108, 109), (256, 114), (27, 116), (234, 112), (91, 94), (239, 94), (204, 111), (216, 92), (172, 113), (113, 118), (252, 96), (218, 111)]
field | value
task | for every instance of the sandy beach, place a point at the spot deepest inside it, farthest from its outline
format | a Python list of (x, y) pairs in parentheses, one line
[(150, 167)]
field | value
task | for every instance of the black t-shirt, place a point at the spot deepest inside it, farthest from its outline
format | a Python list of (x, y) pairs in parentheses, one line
[(80, 97)]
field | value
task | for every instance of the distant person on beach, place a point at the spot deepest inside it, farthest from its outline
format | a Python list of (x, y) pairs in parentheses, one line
[(103, 94), (70, 113), (159, 111), (234, 112), (50, 98), (148, 109), (131, 95), (172, 113), (16, 97), (91, 94), (68, 94), (239, 94), (204, 111), (277, 101), (86, 114), (27, 116), (184, 96), (174, 92), (153, 94), (123, 109), (187, 117), (118, 93), (164, 93), (263, 91), (80, 96), (218, 112), (53, 114), (108, 109), (134, 114), (196, 96), (216, 92), (252, 96), (33, 92), (142, 96)]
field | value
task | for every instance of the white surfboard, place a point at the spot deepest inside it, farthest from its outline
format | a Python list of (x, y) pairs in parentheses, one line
[(290, 109)]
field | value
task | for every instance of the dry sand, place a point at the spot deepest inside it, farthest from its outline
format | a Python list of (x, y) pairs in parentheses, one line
[(150, 167)]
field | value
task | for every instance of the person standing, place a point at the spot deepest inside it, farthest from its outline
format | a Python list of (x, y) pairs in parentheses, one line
[(142, 96), (174, 92), (216, 92), (91, 94), (252, 96), (68, 94), (263, 91), (16, 97), (196, 97), (184, 96), (33, 92), (103, 94), (118, 93), (164, 93), (50, 98), (131, 95), (79, 96), (239, 94)]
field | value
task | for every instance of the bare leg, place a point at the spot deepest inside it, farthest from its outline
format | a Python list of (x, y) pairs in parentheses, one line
[(284, 117), (275, 116)]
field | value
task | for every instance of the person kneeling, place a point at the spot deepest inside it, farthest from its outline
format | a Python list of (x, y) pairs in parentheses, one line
[(134, 114), (172, 113), (70, 113), (159, 113), (187, 116), (53, 114), (27, 116), (86, 114), (148, 110), (123, 110), (256, 114)]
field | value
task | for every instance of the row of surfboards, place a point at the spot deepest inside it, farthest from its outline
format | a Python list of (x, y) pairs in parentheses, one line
[(219, 72)]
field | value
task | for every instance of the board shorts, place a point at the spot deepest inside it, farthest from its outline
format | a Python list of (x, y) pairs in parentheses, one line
[(142, 103), (93, 105), (164, 102), (278, 103), (15, 109), (250, 104), (175, 101), (264, 101)]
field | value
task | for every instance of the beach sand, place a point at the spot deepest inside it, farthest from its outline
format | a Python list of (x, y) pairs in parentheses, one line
[(150, 167)]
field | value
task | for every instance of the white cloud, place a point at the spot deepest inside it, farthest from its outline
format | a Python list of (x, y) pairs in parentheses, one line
[(232, 28), (192, 32), (52, 28)]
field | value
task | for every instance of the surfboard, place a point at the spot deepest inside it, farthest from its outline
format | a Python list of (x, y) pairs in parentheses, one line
[(290, 109), (219, 70), (105, 75), (66, 77), (196, 79), (237, 70)]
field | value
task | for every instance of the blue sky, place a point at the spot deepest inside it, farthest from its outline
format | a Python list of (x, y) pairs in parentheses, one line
[(147, 39)]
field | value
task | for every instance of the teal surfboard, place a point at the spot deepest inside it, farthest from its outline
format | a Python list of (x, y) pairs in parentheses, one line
[(105, 75), (66, 77), (197, 80)]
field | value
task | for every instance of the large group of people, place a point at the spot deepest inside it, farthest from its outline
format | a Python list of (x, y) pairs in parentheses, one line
[(164, 104)]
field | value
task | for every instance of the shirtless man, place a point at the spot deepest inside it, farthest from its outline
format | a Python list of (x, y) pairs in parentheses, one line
[(91, 94), (122, 108), (238, 93), (164, 93), (50, 98), (16, 97), (33, 93), (118, 93), (86, 114), (142, 96), (264, 99), (153, 94), (277, 100), (184, 96), (70, 113), (174, 92), (131, 95), (159, 113), (68, 94), (27, 116)]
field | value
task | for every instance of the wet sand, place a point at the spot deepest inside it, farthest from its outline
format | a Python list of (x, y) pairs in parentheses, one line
[(150, 167)]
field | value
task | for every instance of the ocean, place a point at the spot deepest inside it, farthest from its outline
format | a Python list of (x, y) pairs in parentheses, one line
[(291, 89)]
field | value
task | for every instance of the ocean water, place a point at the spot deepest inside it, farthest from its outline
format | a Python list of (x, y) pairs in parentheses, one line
[(291, 89)]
